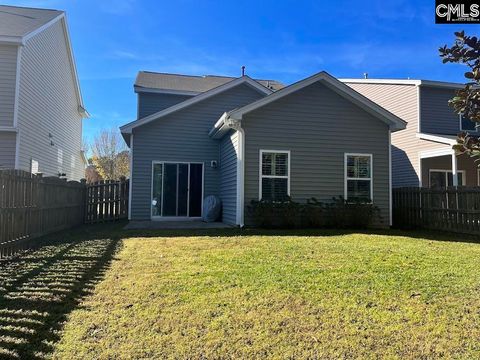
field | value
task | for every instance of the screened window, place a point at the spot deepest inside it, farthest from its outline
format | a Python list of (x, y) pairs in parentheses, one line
[(466, 124), (444, 178), (274, 175), (358, 177)]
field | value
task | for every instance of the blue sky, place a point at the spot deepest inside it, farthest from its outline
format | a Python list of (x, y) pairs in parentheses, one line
[(282, 40)]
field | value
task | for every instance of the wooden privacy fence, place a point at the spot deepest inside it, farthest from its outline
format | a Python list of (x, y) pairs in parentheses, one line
[(106, 201), (32, 206), (453, 209)]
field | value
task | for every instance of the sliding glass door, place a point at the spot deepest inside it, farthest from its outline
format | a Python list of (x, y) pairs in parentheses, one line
[(177, 189)]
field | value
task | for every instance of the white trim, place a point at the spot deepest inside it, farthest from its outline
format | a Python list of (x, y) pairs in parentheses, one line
[(8, 129), (431, 83), (131, 180), (463, 172), (240, 209), (11, 40), (219, 89), (16, 105), (38, 30), (140, 89), (160, 217), (260, 173), (390, 196), (340, 88), (434, 153), (419, 109), (346, 178), (436, 138), (478, 177), (460, 118)]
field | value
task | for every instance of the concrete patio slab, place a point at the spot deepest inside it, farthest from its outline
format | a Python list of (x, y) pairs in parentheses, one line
[(172, 225)]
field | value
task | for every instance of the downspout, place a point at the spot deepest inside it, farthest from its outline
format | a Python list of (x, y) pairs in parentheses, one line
[(236, 125)]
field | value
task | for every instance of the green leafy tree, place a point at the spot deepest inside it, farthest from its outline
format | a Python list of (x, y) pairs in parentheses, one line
[(466, 51)]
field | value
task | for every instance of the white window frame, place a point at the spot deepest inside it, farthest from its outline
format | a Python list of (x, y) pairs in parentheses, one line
[(463, 172), (478, 177), (260, 173), (346, 178), (160, 217), (460, 117)]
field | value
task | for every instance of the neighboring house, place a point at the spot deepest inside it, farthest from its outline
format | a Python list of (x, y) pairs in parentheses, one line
[(41, 106), (422, 154), (242, 141)]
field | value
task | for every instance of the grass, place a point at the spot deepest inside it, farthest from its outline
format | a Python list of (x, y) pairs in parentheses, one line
[(250, 295)]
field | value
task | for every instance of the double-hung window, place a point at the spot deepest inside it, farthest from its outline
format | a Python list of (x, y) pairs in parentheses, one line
[(358, 177), (274, 175)]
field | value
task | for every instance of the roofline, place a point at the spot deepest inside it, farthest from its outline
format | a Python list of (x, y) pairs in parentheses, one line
[(127, 128), (140, 89), (22, 40), (436, 138), (394, 122), (430, 83)]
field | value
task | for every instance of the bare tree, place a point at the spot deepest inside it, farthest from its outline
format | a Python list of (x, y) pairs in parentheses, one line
[(110, 155)]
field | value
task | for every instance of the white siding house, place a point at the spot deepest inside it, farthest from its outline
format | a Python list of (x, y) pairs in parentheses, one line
[(41, 107)]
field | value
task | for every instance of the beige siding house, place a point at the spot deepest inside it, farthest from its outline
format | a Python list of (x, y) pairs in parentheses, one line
[(422, 153), (41, 107)]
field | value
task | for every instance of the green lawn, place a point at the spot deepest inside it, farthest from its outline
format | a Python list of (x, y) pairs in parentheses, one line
[(244, 295)]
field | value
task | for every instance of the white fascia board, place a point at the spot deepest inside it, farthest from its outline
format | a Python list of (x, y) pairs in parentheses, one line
[(436, 138), (140, 89), (8, 129), (43, 27), (431, 83), (127, 129), (382, 81), (11, 40), (394, 122), (434, 153)]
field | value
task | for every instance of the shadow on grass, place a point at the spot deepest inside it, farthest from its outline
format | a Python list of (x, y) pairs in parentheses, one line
[(40, 288), (431, 235)]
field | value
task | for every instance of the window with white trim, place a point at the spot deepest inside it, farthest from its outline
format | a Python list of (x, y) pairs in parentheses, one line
[(466, 124), (274, 175), (358, 177), (444, 178)]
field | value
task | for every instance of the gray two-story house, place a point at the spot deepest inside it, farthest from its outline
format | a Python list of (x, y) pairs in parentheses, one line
[(41, 107), (243, 139), (422, 154)]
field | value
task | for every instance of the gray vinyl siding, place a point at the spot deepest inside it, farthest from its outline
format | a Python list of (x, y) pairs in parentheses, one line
[(48, 105), (151, 103), (7, 150), (318, 126), (228, 177), (8, 69), (402, 101), (182, 136), (436, 116)]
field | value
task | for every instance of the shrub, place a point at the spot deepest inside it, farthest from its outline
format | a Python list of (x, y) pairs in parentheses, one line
[(338, 213), (351, 213), (275, 214)]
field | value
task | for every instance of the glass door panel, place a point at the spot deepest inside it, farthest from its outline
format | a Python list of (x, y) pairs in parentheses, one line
[(182, 204), (170, 190), (196, 183)]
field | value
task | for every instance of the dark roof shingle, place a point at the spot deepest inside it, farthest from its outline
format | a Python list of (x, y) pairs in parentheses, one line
[(198, 84)]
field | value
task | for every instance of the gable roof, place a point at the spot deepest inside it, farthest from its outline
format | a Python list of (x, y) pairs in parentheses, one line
[(394, 122), (147, 81), (19, 24), (127, 129)]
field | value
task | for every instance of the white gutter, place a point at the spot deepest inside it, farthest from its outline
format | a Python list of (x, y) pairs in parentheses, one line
[(130, 182)]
